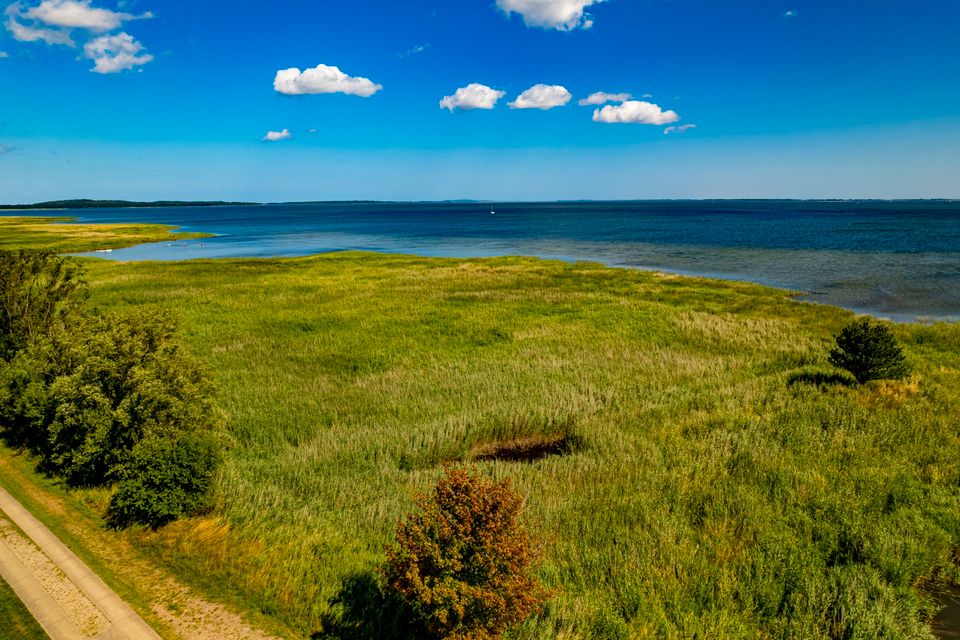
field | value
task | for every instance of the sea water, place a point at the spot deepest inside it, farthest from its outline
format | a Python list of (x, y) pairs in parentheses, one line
[(897, 259)]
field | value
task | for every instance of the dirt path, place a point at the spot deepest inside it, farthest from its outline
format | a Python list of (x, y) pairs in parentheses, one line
[(68, 600)]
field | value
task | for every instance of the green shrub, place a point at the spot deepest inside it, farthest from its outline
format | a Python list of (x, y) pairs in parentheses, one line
[(129, 380), (869, 351), (38, 292), (166, 478), (100, 399), (463, 562)]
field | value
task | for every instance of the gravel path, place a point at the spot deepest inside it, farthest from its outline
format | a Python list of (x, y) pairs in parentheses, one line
[(68, 600)]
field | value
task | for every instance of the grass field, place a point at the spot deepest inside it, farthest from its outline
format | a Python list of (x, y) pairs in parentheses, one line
[(61, 234), (16, 623), (704, 494), (706, 498)]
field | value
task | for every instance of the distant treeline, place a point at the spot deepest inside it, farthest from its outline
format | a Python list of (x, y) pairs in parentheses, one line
[(118, 204)]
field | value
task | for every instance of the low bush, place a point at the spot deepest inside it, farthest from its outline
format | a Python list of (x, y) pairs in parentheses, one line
[(869, 351), (463, 562), (166, 478)]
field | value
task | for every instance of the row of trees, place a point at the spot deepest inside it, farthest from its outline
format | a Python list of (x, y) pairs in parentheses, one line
[(102, 399)]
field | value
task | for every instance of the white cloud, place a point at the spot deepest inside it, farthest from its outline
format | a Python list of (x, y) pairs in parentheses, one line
[(472, 96), (564, 15), (78, 14), (311, 130), (634, 112), (322, 79), (32, 33), (542, 96), (276, 136), (790, 14), (112, 54), (679, 129), (52, 21), (602, 97), (4, 54)]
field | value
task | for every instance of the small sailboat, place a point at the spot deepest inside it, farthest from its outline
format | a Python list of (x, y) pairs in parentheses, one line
[(492, 212)]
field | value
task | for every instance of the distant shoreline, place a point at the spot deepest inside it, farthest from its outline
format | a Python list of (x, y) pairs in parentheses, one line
[(65, 205)]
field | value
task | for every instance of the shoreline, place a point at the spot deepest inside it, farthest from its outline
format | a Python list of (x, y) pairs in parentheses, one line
[(798, 295), (190, 239)]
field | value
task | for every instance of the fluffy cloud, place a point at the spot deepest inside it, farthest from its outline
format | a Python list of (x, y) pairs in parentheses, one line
[(542, 96), (564, 15), (602, 97), (472, 96), (52, 21), (679, 129), (78, 14), (115, 53), (34, 33), (276, 136), (322, 79), (634, 112), (790, 14), (4, 54)]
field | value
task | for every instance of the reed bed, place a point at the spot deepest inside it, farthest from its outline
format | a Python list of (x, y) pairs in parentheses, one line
[(709, 494)]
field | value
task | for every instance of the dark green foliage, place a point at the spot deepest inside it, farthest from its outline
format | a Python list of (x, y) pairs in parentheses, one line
[(166, 477), (81, 401), (131, 381), (93, 396), (869, 351), (38, 291)]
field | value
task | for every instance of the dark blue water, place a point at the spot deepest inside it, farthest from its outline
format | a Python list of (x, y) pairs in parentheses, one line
[(895, 259)]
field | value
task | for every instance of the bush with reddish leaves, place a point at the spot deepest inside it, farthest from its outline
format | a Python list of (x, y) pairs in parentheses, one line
[(463, 561)]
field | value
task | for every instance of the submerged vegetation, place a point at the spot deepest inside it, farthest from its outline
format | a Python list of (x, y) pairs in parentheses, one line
[(716, 478)]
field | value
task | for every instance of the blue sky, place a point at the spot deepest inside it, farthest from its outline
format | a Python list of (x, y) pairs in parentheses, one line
[(174, 99)]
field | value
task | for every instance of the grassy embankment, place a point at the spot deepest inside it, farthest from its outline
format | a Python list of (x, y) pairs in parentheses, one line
[(705, 495), (59, 234), (17, 623)]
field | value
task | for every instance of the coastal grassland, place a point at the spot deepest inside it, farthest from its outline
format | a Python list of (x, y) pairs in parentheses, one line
[(63, 235), (710, 489), (705, 496), (17, 623)]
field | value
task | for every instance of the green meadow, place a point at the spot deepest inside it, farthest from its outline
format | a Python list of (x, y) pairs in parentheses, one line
[(713, 479)]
